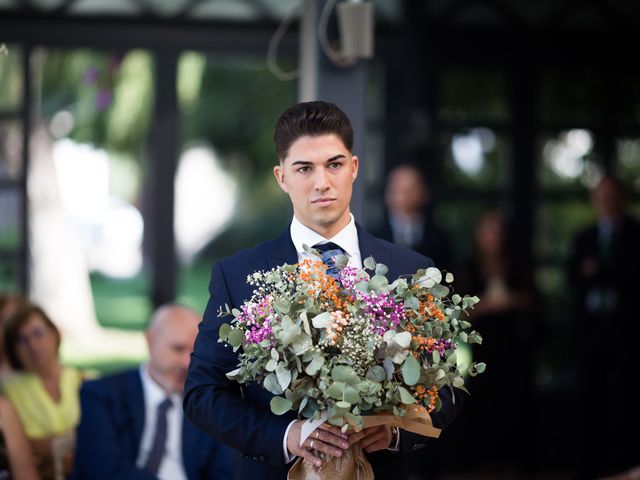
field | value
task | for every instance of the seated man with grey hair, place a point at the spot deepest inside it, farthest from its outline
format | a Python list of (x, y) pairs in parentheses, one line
[(132, 425)]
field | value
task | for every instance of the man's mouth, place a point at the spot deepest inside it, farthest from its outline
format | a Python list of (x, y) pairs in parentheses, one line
[(323, 201)]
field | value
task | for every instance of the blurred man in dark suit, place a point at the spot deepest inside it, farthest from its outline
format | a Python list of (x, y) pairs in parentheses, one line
[(132, 425), (603, 272), (408, 222)]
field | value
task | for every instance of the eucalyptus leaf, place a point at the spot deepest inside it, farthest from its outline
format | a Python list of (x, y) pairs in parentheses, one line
[(439, 290), (282, 306), (378, 283), (405, 396), (283, 374), (411, 303), (280, 405), (369, 263), (403, 339), (456, 299), (343, 404), (335, 390), (272, 385), (436, 357), (410, 370), (381, 269), (376, 374), (481, 367), (271, 365), (322, 320), (224, 330), (235, 337), (344, 373), (448, 277), (458, 382), (315, 365), (351, 394)]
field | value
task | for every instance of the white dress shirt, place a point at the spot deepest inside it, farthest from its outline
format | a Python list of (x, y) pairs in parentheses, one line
[(171, 467), (347, 239)]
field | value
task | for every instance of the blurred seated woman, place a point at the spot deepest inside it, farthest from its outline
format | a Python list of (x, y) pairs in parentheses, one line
[(16, 460), (43, 391)]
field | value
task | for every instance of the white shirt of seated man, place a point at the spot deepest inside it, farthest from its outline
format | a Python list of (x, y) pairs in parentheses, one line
[(172, 466)]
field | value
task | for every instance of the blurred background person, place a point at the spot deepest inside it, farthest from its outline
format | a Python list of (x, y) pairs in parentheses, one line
[(494, 428), (16, 460), (132, 424), (408, 221), (9, 303), (43, 391), (603, 269)]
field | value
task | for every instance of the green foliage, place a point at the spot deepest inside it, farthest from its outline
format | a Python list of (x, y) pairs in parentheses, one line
[(299, 341)]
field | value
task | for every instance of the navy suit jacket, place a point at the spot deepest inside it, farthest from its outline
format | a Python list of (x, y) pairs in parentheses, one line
[(241, 416), (110, 430)]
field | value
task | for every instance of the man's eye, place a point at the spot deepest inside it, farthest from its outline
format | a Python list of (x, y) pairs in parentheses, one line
[(304, 169), (335, 165)]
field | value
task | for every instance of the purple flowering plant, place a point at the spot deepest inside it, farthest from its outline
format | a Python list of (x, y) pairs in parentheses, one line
[(354, 345)]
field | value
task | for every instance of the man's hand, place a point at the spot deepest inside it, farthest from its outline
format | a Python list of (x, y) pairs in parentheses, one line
[(373, 439), (325, 439)]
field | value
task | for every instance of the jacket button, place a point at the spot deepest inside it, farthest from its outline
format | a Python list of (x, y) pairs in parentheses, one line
[(262, 458)]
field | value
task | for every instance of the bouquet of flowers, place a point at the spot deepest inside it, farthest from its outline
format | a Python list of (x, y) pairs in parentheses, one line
[(353, 349)]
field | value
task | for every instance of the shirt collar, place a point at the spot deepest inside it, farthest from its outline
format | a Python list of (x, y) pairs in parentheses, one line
[(154, 393), (347, 238)]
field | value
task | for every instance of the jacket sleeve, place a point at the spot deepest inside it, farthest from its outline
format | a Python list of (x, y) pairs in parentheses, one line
[(214, 403), (99, 452)]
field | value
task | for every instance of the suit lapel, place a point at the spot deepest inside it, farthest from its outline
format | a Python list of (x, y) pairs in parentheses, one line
[(371, 247), (135, 403), (282, 251)]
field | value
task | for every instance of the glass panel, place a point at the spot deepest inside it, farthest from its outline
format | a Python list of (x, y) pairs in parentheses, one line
[(9, 273), (226, 163), (85, 191), (472, 95), (557, 223), (10, 150), (10, 224), (568, 160), (476, 158), (458, 218), (573, 98), (630, 108), (10, 77), (627, 166)]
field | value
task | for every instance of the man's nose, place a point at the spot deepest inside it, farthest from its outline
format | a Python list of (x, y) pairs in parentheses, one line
[(321, 179)]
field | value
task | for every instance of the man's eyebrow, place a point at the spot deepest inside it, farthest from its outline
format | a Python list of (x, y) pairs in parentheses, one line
[(308, 163)]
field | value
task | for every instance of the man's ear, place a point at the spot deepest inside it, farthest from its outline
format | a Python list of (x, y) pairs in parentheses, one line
[(356, 164), (278, 172)]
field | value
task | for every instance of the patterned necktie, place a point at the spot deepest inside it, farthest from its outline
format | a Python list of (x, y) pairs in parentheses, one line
[(159, 438), (329, 251)]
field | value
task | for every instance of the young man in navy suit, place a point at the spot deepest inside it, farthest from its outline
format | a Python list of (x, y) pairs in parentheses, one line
[(132, 425), (313, 142)]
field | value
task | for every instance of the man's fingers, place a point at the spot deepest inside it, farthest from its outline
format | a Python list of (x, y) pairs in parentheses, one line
[(328, 428), (371, 439), (325, 448), (308, 455), (329, 437)]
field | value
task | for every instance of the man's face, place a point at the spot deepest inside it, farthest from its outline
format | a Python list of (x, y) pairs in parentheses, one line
[(170, 347), (318, 175), (406, 195)]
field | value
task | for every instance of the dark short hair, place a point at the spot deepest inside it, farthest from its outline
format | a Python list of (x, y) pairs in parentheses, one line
[(14, 323), (313, 119)]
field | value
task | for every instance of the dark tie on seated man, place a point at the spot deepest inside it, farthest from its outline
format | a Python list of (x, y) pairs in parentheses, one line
[(132, 425), (316, 168)]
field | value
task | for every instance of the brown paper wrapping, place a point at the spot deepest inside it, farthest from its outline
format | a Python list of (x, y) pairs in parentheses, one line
[(353, 464)]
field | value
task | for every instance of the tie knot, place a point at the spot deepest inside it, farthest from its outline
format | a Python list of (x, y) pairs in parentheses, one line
[(165, 405), (328, 247)]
